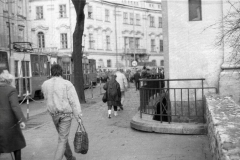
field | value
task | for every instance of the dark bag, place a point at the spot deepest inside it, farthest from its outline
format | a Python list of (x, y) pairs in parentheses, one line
[(81, 141), (104, 98)]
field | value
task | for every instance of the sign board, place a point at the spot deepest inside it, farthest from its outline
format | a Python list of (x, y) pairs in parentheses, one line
[(134, 63)]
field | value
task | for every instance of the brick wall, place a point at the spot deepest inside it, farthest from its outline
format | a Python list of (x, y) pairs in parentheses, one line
[(223, 120)]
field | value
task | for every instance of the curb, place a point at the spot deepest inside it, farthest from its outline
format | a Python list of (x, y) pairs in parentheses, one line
[(148, 125)]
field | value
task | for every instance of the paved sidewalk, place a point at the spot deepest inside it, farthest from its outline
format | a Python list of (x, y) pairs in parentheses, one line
[(114, 139)]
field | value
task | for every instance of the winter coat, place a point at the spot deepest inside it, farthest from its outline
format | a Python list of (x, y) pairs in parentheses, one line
[(112, 88), (122, 80), (11, 137), (137, 76)]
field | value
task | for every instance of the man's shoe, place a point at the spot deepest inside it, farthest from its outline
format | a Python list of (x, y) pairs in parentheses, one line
[(109, 116)]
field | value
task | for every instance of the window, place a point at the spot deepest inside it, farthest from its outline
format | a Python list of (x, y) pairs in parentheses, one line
[(131, 18), (20, 7), (16, 68), (125, 17), (108, 43), (64, 42), (16, 75), (25, 76), (39, 12), (126, 42), (35, 65), (62, 11), (41, 40), (137, 19), (91, 41), (162, 62), (137, 42), (161, 45), (160, 22), (90, 12), (152, 21), (131, 42), (109, 63), (154, 62), (20, 33), (195, 10), (107, 15), (152, 45)]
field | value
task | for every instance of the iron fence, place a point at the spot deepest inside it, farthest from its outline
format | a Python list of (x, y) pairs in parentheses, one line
[(172, 100)]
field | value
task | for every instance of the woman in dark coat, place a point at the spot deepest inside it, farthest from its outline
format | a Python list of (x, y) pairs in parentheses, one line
[(113, 90), (11, 118)]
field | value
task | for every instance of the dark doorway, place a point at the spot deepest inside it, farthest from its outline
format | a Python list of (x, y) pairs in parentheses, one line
[(161, 107)]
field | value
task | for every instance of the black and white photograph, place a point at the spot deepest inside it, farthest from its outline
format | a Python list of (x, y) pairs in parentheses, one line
[(119, 79)]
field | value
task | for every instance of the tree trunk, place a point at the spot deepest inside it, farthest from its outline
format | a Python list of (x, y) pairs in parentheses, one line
[(77, 49)]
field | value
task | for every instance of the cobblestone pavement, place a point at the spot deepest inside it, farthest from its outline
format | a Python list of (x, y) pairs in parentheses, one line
[(113, 139)]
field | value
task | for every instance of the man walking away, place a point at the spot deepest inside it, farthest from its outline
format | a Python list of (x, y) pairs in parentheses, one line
[(62, 103), (136, 79), (122, 80)]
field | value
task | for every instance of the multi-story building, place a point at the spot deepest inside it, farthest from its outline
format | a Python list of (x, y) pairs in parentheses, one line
[(115, 33), (190, 37), (13, 14)]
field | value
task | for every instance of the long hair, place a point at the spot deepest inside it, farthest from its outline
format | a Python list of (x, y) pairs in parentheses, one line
[(56, 70)]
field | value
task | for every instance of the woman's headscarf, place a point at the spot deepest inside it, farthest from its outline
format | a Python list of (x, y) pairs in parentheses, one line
[(5, 76)]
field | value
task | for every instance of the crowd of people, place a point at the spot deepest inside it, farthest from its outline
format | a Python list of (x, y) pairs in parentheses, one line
[(62, 103)]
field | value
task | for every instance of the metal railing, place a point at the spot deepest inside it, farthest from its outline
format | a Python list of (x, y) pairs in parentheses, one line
[(171, 100)]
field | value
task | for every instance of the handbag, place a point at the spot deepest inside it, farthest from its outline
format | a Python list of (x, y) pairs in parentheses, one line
[(104, 98), (81, 142)]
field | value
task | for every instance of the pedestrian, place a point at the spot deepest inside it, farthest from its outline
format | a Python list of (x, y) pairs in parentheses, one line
[(113, 90), (12, 119), (122, 80), (62, 103), (136, 79)]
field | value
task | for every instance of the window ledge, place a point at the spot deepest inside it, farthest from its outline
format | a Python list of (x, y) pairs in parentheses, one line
[(63, 17), (91, 48), (108, 21), (39, 19), (90, 18), (108, 50), (64, 48)]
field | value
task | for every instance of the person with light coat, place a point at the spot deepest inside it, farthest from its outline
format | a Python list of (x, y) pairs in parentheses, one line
[(63, 104), (122, 80)]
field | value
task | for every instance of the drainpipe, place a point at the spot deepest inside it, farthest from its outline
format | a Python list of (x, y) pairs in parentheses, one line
[(116, 36)]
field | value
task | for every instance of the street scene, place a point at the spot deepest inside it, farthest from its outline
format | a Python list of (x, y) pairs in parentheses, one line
[(109, 139), (119, 80)]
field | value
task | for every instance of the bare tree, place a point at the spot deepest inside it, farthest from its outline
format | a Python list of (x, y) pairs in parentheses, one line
[(230, 35), (77, 48)]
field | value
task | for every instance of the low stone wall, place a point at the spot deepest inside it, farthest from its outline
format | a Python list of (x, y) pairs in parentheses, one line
[(223, 121)]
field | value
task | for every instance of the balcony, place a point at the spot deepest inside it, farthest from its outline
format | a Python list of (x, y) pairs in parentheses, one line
[(46, 50), (136, 51)]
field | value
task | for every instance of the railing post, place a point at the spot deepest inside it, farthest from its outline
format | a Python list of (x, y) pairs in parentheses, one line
[(169, 110), (202, 101), (27, 104)]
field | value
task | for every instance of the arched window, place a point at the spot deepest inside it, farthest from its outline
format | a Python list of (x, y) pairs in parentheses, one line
[(109, 63), (41, 40), (100, 63), (162, 62), (154, 62)]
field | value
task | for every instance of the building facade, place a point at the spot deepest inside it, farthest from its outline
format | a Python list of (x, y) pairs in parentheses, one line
[(190, 37), (13, 14), (115, 33)]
